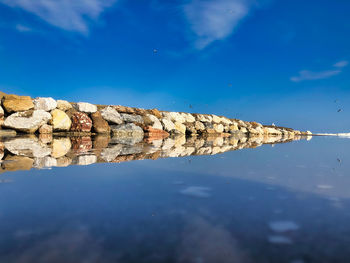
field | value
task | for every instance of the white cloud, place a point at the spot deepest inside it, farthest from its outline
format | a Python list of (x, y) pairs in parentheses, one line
[(72, 15), (310, 75), (22, 28), (315, 75), (212, 20), (341, 64)]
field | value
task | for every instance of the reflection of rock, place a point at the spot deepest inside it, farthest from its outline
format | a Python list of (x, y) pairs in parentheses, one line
[(63, 161), (60, 147), (60, 120), (14, 163), (152, 134), (111, 115), (44, 162), (86, 159), (127, 133), (109, 154), (46, 104), (7, 133), (81, 122), (180, 127), (14, 103), (81, 144), (27, 121), (45, 129), (27, 147)]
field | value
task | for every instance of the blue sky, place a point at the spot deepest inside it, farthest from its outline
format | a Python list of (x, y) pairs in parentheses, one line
[(265, 60)]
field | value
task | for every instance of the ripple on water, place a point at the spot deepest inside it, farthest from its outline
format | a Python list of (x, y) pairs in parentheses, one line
[(197, 191)]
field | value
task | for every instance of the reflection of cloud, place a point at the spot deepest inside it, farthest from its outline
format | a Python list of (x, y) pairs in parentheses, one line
[(66, 246), (196, 191), (315, 75), (203, 242), (215, 19), (68, 15)]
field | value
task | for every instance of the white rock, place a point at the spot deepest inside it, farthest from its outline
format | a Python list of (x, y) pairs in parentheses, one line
[(46, 104), (168, 125), (44, 162), (216, 119), (204, 118), (20, 122), (199, 126), (111, 115), (188, 117), (60, 147), (87, 159), (219, 128), (86, 107), (180, 127), (153, 121)]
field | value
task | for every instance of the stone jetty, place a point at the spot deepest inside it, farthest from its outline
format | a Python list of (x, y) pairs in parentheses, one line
[(25, 115), (43, 132)]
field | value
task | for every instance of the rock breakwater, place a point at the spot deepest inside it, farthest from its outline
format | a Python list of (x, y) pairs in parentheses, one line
[(22, 114)]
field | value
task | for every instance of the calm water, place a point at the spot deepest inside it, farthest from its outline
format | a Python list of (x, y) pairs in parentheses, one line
[(287, 203)]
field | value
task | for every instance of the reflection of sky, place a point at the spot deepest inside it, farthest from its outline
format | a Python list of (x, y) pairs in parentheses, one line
[(272, 203)]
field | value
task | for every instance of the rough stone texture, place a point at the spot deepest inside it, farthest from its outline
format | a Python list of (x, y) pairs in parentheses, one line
[(64, 105), (188, 117), (81, 122), (60, 120), (199, 126), (168, 125), (15, 163), (180, 127), (154, 134), (156, 113), (2, 119), (60, 147), (219, 128), (111, 115), (81, 144), (99, 124), (174, 116), (14, 103), (86, 107), (30, 147), (45, 129), (153, 121), (132, 118), (128, 131), (46, 104), (203, 118), (27, 121)]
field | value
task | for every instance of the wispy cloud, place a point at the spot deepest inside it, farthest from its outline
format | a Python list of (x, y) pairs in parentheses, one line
[(72, 15), (315, 75), (213, 20), (341, 64), (22, 28)]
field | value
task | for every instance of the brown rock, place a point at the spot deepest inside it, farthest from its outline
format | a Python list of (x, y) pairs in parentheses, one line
[(45, 129), (81, 144), (14, 103), (81, 122), (99, 124), (156, 113), (140, 111), (152, 134), (123, 109)]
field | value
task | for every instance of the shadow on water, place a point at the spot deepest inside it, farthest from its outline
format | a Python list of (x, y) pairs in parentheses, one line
[(287, 203)]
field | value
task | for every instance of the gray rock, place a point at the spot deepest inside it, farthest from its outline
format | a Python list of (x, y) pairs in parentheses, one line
[(127, 133), (27, 122), (110, 153), (46, 104), (87, 159), (111, 115), (132, 118), (44, 162)]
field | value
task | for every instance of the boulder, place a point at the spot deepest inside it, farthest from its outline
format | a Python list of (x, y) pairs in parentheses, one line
[(111, 115), (99, 124), (46, 104), (27, 121), (64, 105), (45, 129), (60, 120), (219, 128), (188, 117), (14, 103), (203, 118), (174, 116), (152, 121), (199, 126), (86, 107), (168, 125), (132, 118), (127, 133), (81, 122), (180, 127), (156, 113)]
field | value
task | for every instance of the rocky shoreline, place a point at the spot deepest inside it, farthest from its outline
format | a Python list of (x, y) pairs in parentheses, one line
[(22, 114)]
